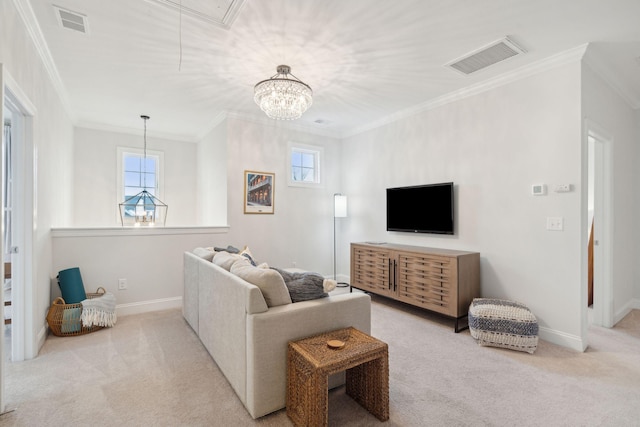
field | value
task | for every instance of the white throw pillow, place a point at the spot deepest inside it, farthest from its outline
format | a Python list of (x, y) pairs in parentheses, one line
[(204, 253), (269, 281), (225, 259)]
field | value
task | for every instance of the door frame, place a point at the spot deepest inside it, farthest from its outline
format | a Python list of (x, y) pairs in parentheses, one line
[(603, 227), (22, 304)]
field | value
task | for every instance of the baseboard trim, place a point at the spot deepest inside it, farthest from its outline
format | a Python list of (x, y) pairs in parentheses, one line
[(148, 306), (633, 304), (573, 342)]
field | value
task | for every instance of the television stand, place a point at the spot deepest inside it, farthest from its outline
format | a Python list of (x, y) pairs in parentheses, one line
[(441, 280)]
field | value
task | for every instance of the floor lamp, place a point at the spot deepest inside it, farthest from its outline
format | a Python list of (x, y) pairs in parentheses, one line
[(339, 211)]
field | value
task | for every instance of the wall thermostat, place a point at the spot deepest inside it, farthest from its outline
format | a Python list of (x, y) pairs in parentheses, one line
[(538, 189)]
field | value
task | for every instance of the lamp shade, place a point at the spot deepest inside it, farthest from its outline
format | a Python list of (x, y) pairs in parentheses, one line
[(339, 206)]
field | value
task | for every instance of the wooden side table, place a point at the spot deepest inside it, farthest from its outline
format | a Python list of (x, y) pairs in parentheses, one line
[(311, 361)]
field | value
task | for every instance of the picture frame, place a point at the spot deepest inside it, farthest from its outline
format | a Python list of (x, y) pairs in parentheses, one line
[(259, 191)]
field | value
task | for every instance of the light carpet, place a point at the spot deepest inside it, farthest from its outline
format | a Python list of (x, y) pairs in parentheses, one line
[(151, 369)]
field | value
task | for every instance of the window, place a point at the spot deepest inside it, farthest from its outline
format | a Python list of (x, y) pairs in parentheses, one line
[(135, 173), (304, 163), (140, 173)]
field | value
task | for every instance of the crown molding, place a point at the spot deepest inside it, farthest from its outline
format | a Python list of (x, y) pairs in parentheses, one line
[(569, 56), (135, 131), (33, 28), (600, 67), (219, 118)]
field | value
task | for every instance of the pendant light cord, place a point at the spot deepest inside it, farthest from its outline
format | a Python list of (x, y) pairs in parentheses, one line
[(180, 37), (144, 161)]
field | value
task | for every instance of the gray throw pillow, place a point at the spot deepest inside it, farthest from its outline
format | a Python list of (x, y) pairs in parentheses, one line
[(303, 286)]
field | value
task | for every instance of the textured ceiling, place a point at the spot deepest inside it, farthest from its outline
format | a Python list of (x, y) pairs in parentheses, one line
[(366, 60)]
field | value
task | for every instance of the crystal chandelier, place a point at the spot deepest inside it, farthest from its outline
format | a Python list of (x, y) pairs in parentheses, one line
[(283, 96), (143, 209)]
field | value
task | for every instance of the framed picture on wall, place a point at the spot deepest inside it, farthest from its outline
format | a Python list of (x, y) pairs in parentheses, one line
[(259, 188)]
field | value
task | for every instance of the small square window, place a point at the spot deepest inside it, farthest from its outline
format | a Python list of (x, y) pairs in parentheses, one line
[(304, 164)]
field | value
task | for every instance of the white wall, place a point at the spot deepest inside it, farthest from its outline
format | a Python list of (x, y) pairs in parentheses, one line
[(301, 229), (96, 204), (493, 146), (150, 260), (49, 163), (609, 111), (212, 177)]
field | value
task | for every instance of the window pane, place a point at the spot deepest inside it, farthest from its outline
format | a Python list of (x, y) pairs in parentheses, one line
[(296, 158), (132, 179), (131, 191), (149, 165), (296, 173), (308, 160), (149, 180), (308, 175), (132, 163)]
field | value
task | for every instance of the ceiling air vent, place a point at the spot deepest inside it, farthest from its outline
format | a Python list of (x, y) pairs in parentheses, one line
[(486, 56), (71, 20)]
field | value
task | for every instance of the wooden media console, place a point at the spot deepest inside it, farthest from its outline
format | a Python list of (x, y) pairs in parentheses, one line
[(441, 280)]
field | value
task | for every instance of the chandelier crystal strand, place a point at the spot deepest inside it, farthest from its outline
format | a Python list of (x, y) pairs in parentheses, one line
[(283, 96)]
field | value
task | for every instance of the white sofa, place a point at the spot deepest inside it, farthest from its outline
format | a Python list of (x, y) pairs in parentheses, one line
[(247, 339)]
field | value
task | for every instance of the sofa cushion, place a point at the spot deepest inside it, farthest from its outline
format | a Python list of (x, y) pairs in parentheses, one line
[(204, 253), (226, 259), (269, 281)]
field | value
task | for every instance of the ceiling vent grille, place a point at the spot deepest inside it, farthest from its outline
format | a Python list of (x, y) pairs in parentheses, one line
[(486, 56), (71, 20)]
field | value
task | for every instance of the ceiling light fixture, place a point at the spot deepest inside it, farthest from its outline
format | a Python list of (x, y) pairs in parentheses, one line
[(283, 96), (143, 209)]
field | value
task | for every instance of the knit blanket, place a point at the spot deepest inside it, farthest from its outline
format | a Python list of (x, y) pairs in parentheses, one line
[(100, 311)]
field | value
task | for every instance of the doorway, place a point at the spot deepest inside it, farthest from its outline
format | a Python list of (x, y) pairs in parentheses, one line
[(599, 227), (18, 174)]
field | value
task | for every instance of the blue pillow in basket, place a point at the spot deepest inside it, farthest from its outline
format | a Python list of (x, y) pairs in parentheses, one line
[(71, 285)]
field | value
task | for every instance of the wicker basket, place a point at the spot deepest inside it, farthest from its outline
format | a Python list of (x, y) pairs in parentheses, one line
[(64, 319)]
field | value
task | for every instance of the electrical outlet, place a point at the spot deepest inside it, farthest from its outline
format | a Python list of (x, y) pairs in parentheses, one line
[(122, 284), (555, 223)]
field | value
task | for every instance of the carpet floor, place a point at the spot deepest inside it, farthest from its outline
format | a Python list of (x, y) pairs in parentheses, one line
[(151, 369)]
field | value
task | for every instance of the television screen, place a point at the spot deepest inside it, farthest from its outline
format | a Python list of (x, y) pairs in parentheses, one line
[(421, 208)]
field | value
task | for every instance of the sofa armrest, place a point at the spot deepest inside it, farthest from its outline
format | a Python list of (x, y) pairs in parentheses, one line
[(269, 333), (190, 290)]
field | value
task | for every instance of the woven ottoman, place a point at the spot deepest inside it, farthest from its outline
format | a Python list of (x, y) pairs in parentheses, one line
[(503, 323)]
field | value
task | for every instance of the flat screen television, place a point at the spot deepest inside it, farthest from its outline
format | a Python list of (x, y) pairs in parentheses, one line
[(421, 208)]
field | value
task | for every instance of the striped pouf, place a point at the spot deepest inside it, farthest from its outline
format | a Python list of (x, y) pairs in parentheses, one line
[(503, 323)]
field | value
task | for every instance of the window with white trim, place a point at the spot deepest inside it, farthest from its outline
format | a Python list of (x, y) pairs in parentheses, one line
[(304, 165), (135, 173)]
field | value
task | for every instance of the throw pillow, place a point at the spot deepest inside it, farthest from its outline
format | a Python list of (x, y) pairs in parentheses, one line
[(269, 281), (226, 259), (229, 249), (306, 286), (204, 253), (248, 255)]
